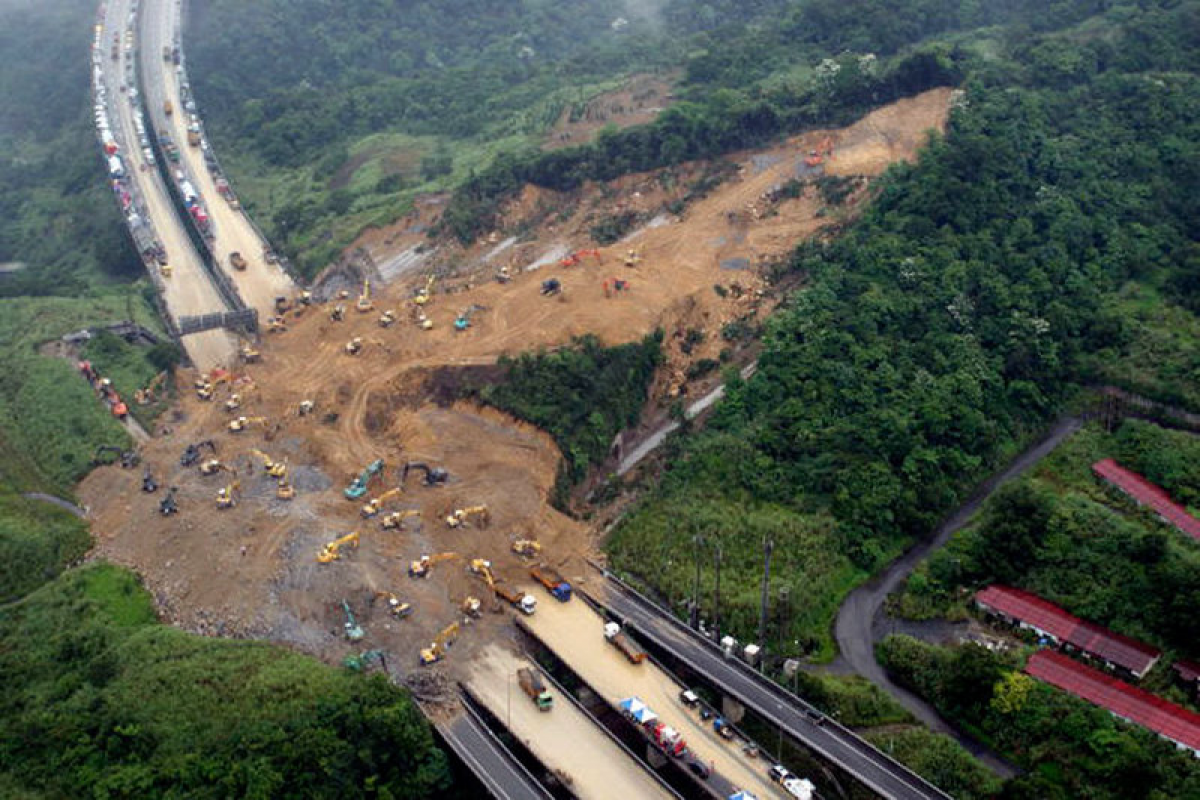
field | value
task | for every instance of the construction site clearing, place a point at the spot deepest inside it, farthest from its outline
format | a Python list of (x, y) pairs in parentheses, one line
[(314, 413)]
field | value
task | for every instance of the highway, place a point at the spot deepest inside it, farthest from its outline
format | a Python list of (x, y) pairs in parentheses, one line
[(491, 762), (563, 739), (836, 744), (574, 632), (261, 282), (189, 290)]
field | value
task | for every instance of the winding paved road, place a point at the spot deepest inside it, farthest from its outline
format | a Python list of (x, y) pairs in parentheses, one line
[(861, 622)]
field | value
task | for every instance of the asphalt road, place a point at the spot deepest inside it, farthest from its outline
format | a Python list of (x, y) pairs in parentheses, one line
[(489, 760), (860, 620), (836, 744)]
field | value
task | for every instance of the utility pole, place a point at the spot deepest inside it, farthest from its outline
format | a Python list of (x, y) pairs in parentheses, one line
[(768, 548), (694, 616), (717, 597)]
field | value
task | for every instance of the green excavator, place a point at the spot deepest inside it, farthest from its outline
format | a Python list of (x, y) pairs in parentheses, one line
[(358, 487)]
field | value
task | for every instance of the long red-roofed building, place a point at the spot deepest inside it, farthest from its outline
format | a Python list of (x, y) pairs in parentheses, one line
[(1049, 621), (1147, 494), (1168, 720)]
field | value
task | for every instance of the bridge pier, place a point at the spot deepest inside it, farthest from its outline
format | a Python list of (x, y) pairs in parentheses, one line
[(732, 710), (655, 757)]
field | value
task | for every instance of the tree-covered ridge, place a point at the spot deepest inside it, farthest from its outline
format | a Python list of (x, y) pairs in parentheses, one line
[(953, 320)]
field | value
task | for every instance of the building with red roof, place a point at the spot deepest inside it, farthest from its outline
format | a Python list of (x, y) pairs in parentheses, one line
[(1030, 612), (1188, 673), (1168, 720), (1147, 494)]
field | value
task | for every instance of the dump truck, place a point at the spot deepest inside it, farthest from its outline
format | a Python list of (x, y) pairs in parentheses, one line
[(525, 603), (533, 686), (617, 638), (237, 261), (168, 108), (554, 583)]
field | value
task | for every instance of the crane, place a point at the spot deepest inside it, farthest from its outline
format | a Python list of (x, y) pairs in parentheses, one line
[(227, 496), (330, 552), (276, 469), (396, 606), (375, 504), (396, 518), (435, 651), (461, 516), (421, 567), (364, 304), (434, 476)]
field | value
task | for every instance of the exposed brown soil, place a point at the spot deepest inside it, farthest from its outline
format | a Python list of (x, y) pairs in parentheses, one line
[(639, 100), (251, 570)]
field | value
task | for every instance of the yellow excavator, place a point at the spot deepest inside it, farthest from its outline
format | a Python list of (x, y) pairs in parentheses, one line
[(425, 292), (241, 423), (397, 607), (248, 354), (285, 491), (461, 516), (396, 519), (227, 496), (364, 304), (236, 399), (206, 387), (144, 397), (276, 469), (435, 651), (213, 466), (375, 504), (331, 550), (526, 547), (421, 567)]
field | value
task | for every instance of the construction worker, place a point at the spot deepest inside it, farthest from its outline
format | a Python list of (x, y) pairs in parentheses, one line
[(607, 291)]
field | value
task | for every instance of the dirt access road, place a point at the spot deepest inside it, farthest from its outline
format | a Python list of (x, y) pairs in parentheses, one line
[(251, 570)]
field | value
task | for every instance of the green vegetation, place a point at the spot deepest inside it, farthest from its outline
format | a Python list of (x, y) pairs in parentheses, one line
[(1069, 748), (1068, 537), (37, 540), (973, 297), (102, 701), (582, 395), (938, 759)]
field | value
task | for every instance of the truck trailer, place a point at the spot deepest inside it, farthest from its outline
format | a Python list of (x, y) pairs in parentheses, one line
[(535, 688)]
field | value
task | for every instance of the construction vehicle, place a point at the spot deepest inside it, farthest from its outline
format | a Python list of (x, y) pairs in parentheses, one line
[(241, 423), (167, 506), (207, 384), (354, 346), (463, 320), (534, 688), (332, 550), (337, 313), (168, 108), (213, 466), (824, 149), (285, 491), (166, 270), (227, 496), (559, 589), (276, 469), (387, 319), (576, 258), (461, 516), (396, 519), (358, 486), (434, 476), (632, 258), (149, 485), (375, 504), (471, 607), (282, 304), (551, 287), (396, 607), (525, 603), (435, 651), (144, 397), (306, 407), (248, 354), (277, 324), (237, 261), (421, 567), (526, 547), (617, 638), (424, 294), (128, 458), (350, 628), (363, 304)]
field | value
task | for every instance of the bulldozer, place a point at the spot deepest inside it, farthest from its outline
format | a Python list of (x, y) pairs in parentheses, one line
[(227, 496), (192, 453), (331, 551), (358, 486), (424, 294), (396, 607), (241, 423), (632, 258), (276, 469), (420, 568), (144, 397), (526, 547), (395, 520), (167, 506), (461, 516), (354, 346), (364, 304), (387, 319), (434, 476), (285, 491), (436, 650), (375, 504), (305, 408), (337, 313), (128, 458)]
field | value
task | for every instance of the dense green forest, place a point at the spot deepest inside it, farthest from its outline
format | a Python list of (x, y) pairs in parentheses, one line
[(1063, 534), (1068, 747), (951, 322)]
